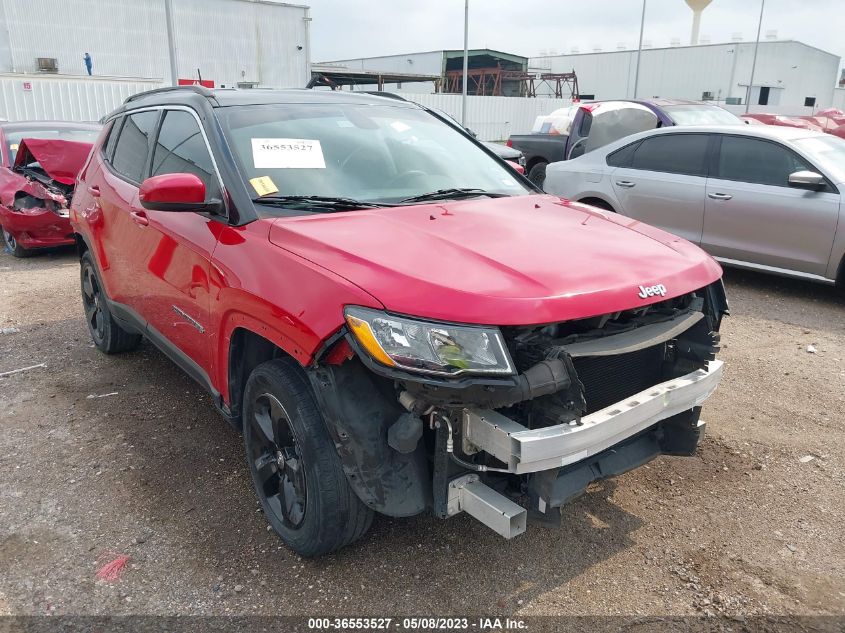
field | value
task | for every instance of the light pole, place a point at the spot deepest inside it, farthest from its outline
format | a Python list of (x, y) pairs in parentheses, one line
[(639, 52), (171, 44), (466, 64), (735, 52), (754, 61)]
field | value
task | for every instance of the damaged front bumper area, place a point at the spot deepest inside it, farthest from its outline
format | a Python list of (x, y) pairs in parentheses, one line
[(564, 459), (589, 399)]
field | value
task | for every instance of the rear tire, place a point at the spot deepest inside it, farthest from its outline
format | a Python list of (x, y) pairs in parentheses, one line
[(294, 465), (537, 174), (106, 333), (14, 248)]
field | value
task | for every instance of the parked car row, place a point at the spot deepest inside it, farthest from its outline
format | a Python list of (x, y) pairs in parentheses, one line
[(398, 320), (581, 128), (831, 121)]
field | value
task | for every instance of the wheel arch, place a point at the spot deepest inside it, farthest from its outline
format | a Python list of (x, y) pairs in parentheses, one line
[(597, 201), (246, 350)]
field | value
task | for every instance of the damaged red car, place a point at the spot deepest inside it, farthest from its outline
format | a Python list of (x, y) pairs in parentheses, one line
[(40, 161), (398, 321)]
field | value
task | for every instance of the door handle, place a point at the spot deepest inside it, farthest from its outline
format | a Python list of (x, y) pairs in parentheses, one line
[(94, 190), (626, 183), (719, 196), (139, 217)]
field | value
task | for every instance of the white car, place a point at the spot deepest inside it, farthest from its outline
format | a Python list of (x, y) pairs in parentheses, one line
[(761, 197)]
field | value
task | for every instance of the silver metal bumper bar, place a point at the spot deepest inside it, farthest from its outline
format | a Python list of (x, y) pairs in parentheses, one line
[(525, 450)]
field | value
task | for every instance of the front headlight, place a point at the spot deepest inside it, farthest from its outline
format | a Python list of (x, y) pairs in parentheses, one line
[(433, 348)]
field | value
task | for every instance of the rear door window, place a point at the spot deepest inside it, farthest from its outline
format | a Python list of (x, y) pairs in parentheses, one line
[(130, 153), (180, 148), (673, 154), (757, 161)]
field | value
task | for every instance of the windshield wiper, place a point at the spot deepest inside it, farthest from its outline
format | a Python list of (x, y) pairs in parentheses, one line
[(319, 202), (454, 193)]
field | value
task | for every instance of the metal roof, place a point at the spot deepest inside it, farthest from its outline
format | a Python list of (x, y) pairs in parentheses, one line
[(342, 76)]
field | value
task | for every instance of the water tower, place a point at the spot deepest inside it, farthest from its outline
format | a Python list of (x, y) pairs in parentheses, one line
[(697, 7)]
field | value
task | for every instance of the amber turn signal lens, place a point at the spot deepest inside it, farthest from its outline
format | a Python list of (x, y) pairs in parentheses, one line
[(364, 335)]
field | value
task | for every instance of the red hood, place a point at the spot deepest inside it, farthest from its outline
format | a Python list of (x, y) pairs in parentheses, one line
[(508, 261), (60, 160)]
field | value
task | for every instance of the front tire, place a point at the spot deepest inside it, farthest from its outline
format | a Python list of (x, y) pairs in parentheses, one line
[(106, 333), (294, 465), (14, 248)]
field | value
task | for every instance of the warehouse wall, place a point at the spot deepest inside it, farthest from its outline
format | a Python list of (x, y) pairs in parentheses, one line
[(794, 69), (27, 98), (428, 63), (491, 118), (228, 40)]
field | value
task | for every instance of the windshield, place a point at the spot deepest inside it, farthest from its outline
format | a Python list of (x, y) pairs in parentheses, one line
[(701, 115), (826, 151), (370, 153), (13, 139)]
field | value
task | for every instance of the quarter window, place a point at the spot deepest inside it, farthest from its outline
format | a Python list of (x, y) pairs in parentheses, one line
[(622, 157), (756, 161), (181, 148), (130, 154), (114, 132), (673, 154)]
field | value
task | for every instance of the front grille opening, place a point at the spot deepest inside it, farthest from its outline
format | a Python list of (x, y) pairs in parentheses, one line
[(609, 379)]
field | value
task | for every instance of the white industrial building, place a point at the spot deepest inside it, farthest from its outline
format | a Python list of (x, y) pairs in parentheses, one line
[(251, 43), (788, 73)]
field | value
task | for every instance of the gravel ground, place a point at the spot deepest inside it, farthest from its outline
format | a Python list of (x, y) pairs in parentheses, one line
[(105, 456)]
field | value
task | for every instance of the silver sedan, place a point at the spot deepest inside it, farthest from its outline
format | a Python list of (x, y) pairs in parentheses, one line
[(763, 197)]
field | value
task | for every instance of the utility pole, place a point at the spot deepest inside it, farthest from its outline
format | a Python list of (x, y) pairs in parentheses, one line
[(639, 52), (171, 43), (754, 62), (466, 64)]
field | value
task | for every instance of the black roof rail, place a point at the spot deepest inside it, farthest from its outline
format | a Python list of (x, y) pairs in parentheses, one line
[(200, 90), (382, 93)]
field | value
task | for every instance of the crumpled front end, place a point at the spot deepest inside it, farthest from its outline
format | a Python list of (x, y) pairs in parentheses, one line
[(35, 195), (589, 399)]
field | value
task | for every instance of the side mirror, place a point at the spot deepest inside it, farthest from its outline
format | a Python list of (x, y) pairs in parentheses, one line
[(809, 180), (176, 192)]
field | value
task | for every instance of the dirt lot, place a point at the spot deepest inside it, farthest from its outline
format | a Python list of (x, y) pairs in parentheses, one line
[(101, 456)]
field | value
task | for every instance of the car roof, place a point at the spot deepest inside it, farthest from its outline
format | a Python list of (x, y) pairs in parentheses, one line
[(776, 132), (658, 102), (771, 132), (17, 126), (225, 97), (661, 102)]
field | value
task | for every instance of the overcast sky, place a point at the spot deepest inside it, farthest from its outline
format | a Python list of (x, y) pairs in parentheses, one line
[(345, 29)]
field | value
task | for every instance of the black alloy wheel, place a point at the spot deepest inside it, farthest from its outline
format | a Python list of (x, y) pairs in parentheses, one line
[(277, 463)]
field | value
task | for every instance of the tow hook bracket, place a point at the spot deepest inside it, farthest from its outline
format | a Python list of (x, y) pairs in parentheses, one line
[(500, 514)]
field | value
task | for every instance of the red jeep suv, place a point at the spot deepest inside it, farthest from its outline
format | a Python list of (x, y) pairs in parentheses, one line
[(397, 320)]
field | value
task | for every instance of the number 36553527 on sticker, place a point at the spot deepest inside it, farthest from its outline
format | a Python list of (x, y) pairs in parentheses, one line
[(287, 153)]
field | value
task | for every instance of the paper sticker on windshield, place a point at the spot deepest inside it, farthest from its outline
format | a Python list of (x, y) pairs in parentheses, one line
[(14, 147), (263, 185), (287, 153)]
